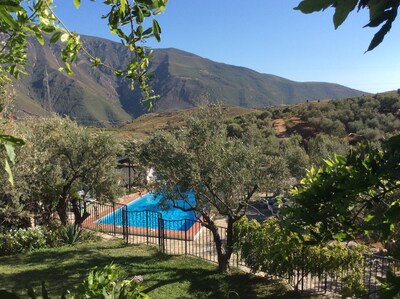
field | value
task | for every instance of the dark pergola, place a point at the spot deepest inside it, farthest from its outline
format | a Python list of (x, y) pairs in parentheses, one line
[(127, 163)]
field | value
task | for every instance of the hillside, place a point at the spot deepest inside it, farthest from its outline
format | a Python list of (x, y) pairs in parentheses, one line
[(147, 124), (360, 118), (183, 80)]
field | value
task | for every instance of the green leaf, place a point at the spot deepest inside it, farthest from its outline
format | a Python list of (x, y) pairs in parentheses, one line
[(8, 170), (39, 37), (56, 36), (122, 7), (148, 31), (329, 163), (156, 30), (379, 36), (340, 236), (10, 152), (139, 15), (343, 8), (310, 6), (368, 218), (77, 3), (7, 18)]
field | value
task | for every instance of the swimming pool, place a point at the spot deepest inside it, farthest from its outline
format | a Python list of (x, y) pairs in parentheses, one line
[(145, 212)]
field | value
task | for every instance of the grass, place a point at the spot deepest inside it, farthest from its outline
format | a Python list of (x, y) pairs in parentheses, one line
[(165, 276)]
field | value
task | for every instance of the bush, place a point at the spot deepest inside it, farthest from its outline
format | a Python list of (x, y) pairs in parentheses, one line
[(107, 283), (73, 233), (21, 240), (277, 251)]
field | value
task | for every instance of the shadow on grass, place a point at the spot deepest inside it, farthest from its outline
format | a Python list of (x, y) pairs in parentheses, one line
[(165, 276), (63, 268)]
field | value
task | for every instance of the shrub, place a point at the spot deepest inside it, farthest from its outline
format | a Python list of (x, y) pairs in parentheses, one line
[(73, 233), (20, 240), (277, 251), (70, 234), (107, 283)]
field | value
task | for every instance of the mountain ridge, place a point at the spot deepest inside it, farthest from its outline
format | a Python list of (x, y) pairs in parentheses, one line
[(182, 79)]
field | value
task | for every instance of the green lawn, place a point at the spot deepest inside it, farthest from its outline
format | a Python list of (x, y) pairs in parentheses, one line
[(165, 276)]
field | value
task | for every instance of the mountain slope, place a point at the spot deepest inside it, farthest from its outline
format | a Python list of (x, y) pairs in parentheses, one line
[(183, 80)]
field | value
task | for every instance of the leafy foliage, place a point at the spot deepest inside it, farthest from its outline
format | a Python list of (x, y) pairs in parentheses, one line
[(107, 283), (352, 196), (21, 240), (59, 159), (381, 13), (20, 19), (370, 204), (275, 250)]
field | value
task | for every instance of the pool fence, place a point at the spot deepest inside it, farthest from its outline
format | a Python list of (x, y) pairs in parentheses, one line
[(189, 237)]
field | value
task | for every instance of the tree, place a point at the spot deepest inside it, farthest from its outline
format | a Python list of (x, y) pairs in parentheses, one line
[(59, 159), (352, 196), (294, 155), (382, 12), (223, 173), (20, 19), (324, 147)]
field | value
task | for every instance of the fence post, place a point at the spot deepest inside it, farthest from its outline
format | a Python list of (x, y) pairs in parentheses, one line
[(113, 208), (186, 237), (161, 233), (127, 224), (123, 222), (147, 227)]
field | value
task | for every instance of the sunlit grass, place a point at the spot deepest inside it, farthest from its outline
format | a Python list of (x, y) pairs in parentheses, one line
[(164, 276)]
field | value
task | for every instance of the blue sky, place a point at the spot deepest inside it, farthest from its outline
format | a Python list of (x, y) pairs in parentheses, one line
[(267, 36)]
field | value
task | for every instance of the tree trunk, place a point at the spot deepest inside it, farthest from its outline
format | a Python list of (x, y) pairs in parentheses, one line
[(223, 264), (62, 210), (230, 241), (223, 252), (79, 217)]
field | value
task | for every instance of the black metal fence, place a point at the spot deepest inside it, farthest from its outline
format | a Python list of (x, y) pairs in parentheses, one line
[(189, 237)]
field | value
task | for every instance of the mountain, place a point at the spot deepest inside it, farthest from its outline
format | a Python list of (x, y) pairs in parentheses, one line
[(183, 80)]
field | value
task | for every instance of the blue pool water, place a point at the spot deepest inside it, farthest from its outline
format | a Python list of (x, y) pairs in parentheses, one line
[(146, 211)]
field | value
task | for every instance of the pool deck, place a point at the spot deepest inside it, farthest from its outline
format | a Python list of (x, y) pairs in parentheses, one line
[(130, 197)]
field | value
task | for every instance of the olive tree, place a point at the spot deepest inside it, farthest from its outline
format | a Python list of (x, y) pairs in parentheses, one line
[(59, 159), (223, 173)]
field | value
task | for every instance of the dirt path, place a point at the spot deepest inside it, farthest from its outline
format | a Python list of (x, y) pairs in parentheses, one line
[(280, 127)]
